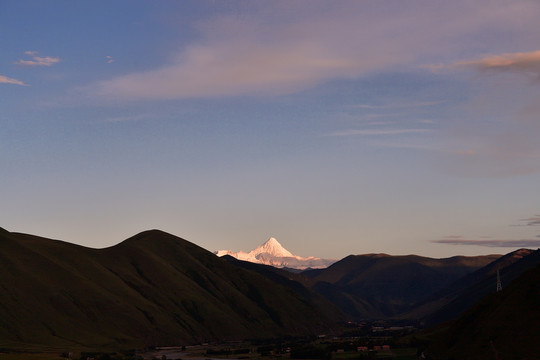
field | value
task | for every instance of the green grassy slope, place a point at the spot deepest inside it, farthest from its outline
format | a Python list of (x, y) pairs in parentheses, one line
[(152, 289)]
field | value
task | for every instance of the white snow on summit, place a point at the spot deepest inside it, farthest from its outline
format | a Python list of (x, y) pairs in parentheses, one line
[(272, 247), (274, 254)]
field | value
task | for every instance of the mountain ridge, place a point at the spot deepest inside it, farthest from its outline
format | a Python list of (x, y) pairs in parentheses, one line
[(501, 325), (378, 286), (155, 288), (273, 253), (465, 292), (151, 289)]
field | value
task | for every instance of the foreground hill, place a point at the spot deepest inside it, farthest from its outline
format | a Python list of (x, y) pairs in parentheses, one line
[(380, 286), (503, 325), (151, 289), (465, 292)]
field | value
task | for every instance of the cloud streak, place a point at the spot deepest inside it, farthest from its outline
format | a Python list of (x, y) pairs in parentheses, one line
[(286, 48), (375, 132), (532, 221), (7, 80), (505, 142), (216, 71), (37, 60), (400, 105), (526, 63), (459, 240), (127, 118)]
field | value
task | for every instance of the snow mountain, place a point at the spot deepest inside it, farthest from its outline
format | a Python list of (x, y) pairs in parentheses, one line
[(274, 254)]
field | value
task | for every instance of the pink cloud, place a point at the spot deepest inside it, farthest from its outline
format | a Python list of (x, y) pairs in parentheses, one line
[(505, 142), (527, 63), (285, 48), (37, 60), (7, 80), (242, 68), (368, 132)]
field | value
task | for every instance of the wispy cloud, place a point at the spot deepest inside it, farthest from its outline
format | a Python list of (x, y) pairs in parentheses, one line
[(7, 80), (125, 118), (505, 142), (399, 105), (110, 59), (375, 132), (526, 63), (460, 240), (532, 221), (288, 47), (382, 115), (219, 71), (37, 60), (426, 146)]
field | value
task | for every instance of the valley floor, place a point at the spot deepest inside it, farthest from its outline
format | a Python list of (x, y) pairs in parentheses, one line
[(177, 353), (324, 349)]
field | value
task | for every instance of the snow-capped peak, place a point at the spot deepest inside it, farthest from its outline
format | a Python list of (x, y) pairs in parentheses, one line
[(272, 253), (272, 247)]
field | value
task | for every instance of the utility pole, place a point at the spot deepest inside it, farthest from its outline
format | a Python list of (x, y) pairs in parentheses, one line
[(499, 285)]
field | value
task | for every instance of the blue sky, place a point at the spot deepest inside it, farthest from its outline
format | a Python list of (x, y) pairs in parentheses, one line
[(336, 127)]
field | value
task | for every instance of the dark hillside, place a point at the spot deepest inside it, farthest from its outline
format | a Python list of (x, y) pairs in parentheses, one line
[(294, 282), (382, 286), (503, 325), (151, 289), (462, 294)]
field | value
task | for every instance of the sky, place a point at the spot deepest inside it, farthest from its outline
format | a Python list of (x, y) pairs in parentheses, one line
[(337, 127)]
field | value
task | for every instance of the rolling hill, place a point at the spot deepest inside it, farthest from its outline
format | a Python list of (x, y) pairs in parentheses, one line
[(376, 286), (151, 289), (158, 289), (502, 325), (459, 296)]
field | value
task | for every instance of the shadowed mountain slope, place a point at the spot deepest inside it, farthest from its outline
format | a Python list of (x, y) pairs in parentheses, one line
[(462, 294), (503, 325), (291, 280), (380, 285), (151, 289)]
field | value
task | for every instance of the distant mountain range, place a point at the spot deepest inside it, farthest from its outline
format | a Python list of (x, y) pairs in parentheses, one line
[(158, 289), (376, 286), (274, 254)]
